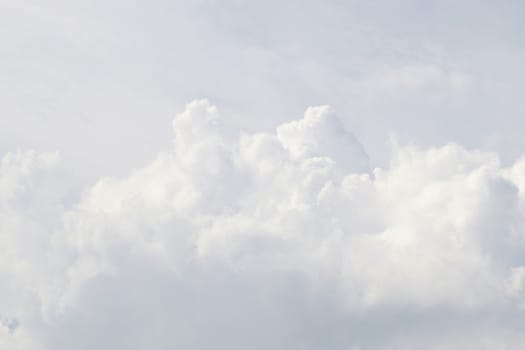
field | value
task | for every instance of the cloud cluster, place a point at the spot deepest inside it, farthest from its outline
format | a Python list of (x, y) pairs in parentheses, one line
[(285, 240)]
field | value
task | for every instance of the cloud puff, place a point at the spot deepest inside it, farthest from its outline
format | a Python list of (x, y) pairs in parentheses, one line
[(266, 240)]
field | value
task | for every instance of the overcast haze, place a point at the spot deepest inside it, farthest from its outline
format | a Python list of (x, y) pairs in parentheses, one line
[(262, 174)]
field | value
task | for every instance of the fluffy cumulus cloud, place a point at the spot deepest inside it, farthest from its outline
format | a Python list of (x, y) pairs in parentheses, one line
[(285, 240)]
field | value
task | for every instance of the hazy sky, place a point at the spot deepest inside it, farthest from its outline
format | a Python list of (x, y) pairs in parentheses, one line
[(262, 174), (101, 80)]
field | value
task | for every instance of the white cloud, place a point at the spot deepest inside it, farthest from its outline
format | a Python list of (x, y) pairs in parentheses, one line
[(321, 134), (265, 240)]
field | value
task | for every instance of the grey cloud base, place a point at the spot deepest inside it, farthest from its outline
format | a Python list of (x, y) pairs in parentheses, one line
[(283, 240)]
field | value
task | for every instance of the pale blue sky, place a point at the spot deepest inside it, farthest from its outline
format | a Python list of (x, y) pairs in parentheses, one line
[(101, 80)]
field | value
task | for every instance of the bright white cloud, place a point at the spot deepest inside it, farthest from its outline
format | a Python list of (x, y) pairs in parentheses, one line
[(265, 240)]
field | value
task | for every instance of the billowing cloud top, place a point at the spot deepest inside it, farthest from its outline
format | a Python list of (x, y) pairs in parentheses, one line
[(283, 240)]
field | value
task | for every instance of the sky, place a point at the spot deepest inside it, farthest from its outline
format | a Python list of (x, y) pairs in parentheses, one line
[(236, 174)]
